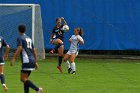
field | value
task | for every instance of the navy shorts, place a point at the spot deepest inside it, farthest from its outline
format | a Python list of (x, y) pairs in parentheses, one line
[(28, 66), (2, 63), (27, 72)]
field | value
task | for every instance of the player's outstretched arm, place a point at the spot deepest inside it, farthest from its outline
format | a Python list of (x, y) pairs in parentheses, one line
[(6, 52), (19, 49)]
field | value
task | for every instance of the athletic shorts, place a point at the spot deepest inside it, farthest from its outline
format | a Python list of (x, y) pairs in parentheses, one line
[(53, 40), (2, 63), (72, 52), (28, 66), (27, 72)]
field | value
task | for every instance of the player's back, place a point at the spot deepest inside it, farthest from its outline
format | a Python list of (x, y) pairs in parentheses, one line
[(27, 51)]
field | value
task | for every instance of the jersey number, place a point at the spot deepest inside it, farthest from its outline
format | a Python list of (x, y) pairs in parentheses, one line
[(59, 33), (29, 43)]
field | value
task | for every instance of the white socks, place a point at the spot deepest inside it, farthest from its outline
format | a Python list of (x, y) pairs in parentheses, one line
[(67, 64), (73, 66), (3, 85)]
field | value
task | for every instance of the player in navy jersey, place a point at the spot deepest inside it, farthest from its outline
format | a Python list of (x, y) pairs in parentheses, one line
[(28, 58), (57, 39), (3, 56)]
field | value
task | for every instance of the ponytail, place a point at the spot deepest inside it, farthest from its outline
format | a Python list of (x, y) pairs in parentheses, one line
[(81, 32)]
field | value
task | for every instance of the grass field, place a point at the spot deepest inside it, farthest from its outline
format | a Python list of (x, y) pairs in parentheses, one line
[(93, 76)]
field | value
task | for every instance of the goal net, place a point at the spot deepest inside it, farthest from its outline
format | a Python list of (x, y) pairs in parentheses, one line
[(12, 15)]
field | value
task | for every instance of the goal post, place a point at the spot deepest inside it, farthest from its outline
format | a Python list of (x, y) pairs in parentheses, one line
[(13, 15)]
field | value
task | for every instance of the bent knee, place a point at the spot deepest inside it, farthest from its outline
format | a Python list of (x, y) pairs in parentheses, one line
[(61, 54), (22, 79), (61, 43), (65, 60), (58, 41), (71, 61)]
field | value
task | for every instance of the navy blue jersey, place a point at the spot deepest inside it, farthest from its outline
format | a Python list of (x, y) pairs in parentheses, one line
[(2, 45), (58, 32), (26, 54)]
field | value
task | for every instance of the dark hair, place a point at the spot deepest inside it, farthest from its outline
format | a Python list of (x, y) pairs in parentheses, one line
[(81, 32), (22, 28), (57, 19)]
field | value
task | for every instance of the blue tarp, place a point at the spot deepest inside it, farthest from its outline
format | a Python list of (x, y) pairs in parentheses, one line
[(107, 24)]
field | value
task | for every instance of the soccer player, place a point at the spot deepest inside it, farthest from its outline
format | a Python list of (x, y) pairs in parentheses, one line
[(73, 50), (28, 55), (57, 39), (3, 56)]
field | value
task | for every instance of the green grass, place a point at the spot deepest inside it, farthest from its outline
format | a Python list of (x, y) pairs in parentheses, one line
[(93, 76)]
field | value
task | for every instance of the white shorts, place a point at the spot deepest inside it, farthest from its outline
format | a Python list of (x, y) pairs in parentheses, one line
[(72, 52)]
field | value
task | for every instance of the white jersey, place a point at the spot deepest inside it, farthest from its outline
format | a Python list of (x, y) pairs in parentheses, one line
[(75, 43)]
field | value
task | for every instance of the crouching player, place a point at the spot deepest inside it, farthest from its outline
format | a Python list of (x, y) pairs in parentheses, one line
[(28, 58), (2, 58), (73, 51)]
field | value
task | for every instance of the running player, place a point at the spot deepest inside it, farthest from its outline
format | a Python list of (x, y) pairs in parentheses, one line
[(57, 39), (73, 50), (3, 56), (28, 58)]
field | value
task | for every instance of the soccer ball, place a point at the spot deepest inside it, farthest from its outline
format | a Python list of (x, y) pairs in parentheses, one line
[(65, 28)]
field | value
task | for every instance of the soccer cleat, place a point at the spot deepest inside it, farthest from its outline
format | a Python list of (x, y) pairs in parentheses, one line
[(40, 90), (52, 51), (73, 72), (5, 88), (69, 70), (60, 69)]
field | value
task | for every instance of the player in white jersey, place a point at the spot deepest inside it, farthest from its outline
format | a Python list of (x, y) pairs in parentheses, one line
[(73, 50)]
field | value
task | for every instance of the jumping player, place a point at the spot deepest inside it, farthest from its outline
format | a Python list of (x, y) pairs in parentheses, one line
[(57, 39), (28, 58), (73, 50), (3, 56)]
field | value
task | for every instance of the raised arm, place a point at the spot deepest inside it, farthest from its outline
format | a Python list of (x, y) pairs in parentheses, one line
[(65, 23), (80, 39)]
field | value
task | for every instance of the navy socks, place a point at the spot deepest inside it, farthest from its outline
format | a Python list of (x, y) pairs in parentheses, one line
[(28, 84)]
